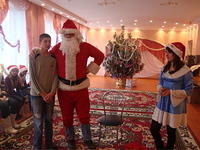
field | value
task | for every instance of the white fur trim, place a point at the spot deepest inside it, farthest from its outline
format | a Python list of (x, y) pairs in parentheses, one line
[(68, 31), (82, 85), (165, 118), (176, 50), (177, 74), (11, 68), (23, 69), (177, 96), (93, 67)]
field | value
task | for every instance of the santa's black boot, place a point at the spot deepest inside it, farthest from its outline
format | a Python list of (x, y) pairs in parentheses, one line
[(87, 136), (70, 138)]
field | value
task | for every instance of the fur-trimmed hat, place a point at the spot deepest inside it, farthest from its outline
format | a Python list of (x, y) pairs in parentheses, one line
[(11, 67), (69, 27), (178, 48), (22, 68)]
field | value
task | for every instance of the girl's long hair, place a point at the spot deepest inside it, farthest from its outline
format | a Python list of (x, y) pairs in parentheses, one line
[(177, 62)]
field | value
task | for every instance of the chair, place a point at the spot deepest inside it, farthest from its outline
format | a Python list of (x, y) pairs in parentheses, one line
[(113, 107)]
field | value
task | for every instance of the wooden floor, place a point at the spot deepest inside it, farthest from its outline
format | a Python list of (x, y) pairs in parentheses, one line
[(149, 85)]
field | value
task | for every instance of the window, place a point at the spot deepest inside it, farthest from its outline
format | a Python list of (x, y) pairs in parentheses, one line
[(14, 27), (49, 29)]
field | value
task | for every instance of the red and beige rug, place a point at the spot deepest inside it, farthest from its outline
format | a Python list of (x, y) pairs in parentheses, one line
[(136, 134)]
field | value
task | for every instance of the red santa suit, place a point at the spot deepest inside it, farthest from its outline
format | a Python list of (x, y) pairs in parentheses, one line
[(73, 81)]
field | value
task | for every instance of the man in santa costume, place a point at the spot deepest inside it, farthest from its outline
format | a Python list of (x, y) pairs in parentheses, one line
[(71, 56)]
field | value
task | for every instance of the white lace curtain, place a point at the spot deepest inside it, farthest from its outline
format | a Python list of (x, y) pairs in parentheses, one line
[(14, 27), (49, 29)]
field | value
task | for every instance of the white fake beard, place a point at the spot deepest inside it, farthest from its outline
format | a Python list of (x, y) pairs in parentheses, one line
[(69, 46)]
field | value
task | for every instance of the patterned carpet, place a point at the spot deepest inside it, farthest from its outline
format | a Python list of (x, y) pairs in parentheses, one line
[(135, 130)]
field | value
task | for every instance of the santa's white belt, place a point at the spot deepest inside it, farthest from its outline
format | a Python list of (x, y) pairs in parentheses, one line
[(72, 82)]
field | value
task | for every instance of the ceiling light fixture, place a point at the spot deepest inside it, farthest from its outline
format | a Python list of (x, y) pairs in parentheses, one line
[(107, 2), (169, 3)]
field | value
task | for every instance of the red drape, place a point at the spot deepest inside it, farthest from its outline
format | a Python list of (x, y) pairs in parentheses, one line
[(151, 46)]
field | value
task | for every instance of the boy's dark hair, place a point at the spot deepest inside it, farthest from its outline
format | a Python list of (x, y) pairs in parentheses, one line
[(44, 35)]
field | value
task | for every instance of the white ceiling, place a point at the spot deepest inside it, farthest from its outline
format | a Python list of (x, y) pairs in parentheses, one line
[(98, 15)]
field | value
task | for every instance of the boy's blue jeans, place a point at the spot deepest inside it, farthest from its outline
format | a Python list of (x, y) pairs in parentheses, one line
[(42, 112)]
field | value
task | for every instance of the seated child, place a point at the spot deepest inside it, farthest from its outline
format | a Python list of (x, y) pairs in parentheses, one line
[(22, 76), (13, 87), (25, 87), (8, 109)]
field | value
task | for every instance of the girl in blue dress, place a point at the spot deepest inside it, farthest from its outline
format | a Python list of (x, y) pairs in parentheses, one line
[(174, 89)]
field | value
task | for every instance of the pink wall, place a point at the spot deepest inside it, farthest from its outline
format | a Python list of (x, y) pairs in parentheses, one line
[(100, 37)]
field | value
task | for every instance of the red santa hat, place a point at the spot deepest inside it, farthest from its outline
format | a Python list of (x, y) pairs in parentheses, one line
[(11, 67), (178, 48), (22, 68), (69, 27)]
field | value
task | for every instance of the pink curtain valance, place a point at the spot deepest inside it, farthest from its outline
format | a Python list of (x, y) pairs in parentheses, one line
[(34, 24)]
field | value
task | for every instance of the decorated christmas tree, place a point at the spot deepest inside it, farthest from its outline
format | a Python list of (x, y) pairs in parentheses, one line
[(123, 59)]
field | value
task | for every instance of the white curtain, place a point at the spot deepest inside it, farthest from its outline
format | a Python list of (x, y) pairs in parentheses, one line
[(14, 27), (152, 66), (49, 29)]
